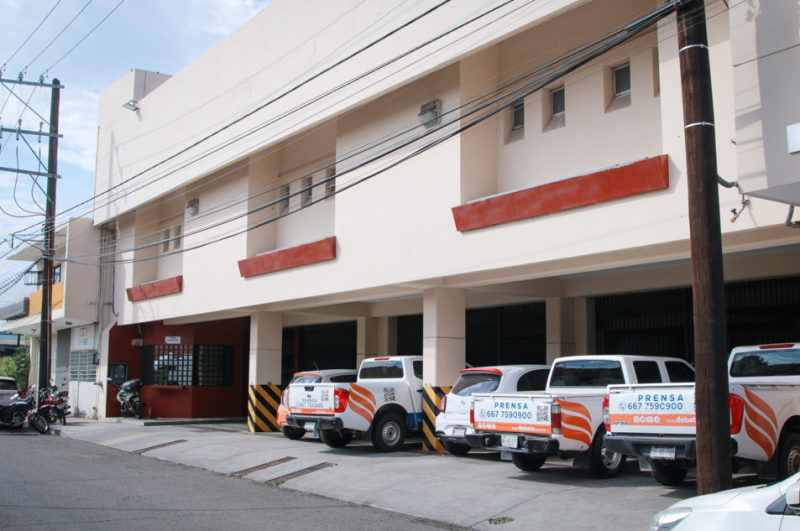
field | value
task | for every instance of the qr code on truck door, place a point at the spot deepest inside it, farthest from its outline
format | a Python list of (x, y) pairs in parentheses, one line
[(388, 394), (323, 395), (542, 413)]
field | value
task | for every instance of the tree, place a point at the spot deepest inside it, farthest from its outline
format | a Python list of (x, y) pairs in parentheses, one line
[(18, 367)]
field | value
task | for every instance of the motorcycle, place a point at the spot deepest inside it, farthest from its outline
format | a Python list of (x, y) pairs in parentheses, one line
[(15, 414), (128, 397), (55, 405)]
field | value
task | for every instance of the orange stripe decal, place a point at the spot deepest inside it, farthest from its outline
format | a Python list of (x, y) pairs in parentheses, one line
[(574, 407), (763, 406), (759, 420), (364, 392), (358, 410), (363, 402), (575, 421), (759, 438), (577, 435)]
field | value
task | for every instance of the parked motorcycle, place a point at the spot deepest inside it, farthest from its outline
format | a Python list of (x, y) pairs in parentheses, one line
[(15, 414), (128, 397), (54, 404)]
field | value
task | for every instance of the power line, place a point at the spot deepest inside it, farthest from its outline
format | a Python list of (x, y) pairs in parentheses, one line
[(57, 36), (2, 68)]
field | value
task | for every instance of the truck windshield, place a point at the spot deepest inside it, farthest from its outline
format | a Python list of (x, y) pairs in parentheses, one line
[(8, 385), (586, 373), (307, 379), (381, 369), (778, 362), (476, 382)]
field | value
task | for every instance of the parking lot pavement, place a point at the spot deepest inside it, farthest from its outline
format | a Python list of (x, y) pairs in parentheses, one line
[(470, 491)]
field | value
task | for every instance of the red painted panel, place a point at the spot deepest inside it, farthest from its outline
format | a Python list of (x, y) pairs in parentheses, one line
[(308, 253), (614, 183), (156, 289), (120, 349)]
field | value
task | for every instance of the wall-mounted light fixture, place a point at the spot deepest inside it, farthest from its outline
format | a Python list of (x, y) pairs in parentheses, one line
[(131, 105), (193, 207), (430, 113)]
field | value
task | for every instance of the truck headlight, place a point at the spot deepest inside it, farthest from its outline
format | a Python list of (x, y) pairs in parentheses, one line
[(667, 520)]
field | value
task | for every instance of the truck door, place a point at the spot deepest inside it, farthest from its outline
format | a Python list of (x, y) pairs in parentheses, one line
[(417, 391)]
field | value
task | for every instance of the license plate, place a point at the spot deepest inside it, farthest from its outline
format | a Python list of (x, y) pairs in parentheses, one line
[(508, 441), (662, 452), (310, 426), (459, 432)]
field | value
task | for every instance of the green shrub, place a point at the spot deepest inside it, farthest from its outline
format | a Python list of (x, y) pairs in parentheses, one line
[(18, 367)]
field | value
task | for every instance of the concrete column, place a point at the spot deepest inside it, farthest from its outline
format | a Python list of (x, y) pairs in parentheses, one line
[(560, 327), (266, 338), (367, 339), (443, 335), (585, 338), (387, 336)]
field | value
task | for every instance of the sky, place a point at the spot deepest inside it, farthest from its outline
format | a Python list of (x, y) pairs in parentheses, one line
[(157, 35)]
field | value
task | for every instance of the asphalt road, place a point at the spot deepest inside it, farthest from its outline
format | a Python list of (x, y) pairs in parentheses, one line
[(54, 483)]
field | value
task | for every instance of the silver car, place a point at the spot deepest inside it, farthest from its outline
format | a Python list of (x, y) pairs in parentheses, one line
[(9, 389)]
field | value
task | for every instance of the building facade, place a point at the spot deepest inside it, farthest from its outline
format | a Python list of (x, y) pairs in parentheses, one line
[(494, 183)]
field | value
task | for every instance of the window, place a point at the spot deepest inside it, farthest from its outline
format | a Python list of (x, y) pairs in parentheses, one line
[(283, 195), (418, 369), (534, 380), (778, 362), (587, 373), (371, 370), (307, 379), (190, 365), (470, 383), (57, 274), (345, 378), (647, 372), (679, 372), (165, 243), (518, 115), (82, 367), (176, 244), (330, 182), (557, 102), (306, 184), (622, 81), (8, 385)]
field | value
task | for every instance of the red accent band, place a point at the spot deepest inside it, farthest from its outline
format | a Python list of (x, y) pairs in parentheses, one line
[(478, 369), (614, 183), (158, 288), (308, 253)]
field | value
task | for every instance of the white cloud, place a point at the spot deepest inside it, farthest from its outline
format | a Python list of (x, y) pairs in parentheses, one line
[(78, 124)]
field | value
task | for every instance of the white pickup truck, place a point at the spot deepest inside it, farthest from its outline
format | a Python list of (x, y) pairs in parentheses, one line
[(567, 418), (657, 422), (383, 405)]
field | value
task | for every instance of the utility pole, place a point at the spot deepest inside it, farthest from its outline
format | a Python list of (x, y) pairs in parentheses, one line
[(708, 282), (49, 244)]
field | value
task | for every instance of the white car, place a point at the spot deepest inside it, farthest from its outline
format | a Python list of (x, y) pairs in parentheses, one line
[(453, 423), (762, 508), (9, 390)]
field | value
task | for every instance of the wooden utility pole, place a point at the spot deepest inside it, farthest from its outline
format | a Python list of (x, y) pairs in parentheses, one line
[(49, 244), (708, 282)]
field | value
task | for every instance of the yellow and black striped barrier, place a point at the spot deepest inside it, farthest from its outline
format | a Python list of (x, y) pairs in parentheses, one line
[(262, 407), (431, 404)]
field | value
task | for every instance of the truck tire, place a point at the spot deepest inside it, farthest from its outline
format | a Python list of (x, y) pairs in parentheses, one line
[(668, 475), (457, 448), (789, 456), (336, 438), (528, 462), (388, 433), (602, 463), (293, 433)]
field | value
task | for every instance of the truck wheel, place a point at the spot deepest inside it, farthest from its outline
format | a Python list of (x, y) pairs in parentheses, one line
[(603, 463), (389, 433), (336, 438), (528, 462), (668, 475), (457, 448), (290, 432), (789, 463)]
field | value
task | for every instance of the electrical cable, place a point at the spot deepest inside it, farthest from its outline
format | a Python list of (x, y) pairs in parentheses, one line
[(2, 68), (57, 36)]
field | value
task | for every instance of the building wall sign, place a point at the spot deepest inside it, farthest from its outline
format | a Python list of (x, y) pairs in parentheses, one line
[(83, 338), (173, 340)]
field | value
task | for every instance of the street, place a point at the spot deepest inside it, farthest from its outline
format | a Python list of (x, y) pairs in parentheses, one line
[(53, 482)]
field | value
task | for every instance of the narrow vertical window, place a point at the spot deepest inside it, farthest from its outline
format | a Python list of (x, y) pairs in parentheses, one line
[(330, 182), (622, 81), (283, 195), (518, 115), (558, 104), (307, 184), (176, 243), (165, 243)]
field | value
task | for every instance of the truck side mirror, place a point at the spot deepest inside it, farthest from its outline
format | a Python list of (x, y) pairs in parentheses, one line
[(793, 497)]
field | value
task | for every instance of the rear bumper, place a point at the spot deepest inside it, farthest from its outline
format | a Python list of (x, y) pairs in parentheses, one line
[(525, 444), (323, 423), (685, 447)]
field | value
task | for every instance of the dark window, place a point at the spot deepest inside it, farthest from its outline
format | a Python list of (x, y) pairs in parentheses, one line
[(381, 369), (622, 81), (8, 385), (308, 379), (190, 365), (518, 115), (418, 369), (558, 102), (679, 372), (778, 362), (476, 382), (536, 380), (345, 378), (587, 373), (409, 335), (647, 372)]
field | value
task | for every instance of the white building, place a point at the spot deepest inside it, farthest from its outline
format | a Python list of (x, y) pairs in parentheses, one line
[(556, 225)]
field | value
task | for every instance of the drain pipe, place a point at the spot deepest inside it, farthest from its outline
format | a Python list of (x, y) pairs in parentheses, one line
[(789, 223)]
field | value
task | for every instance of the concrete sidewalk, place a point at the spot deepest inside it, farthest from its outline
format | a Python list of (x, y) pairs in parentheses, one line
[(466, 491)]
